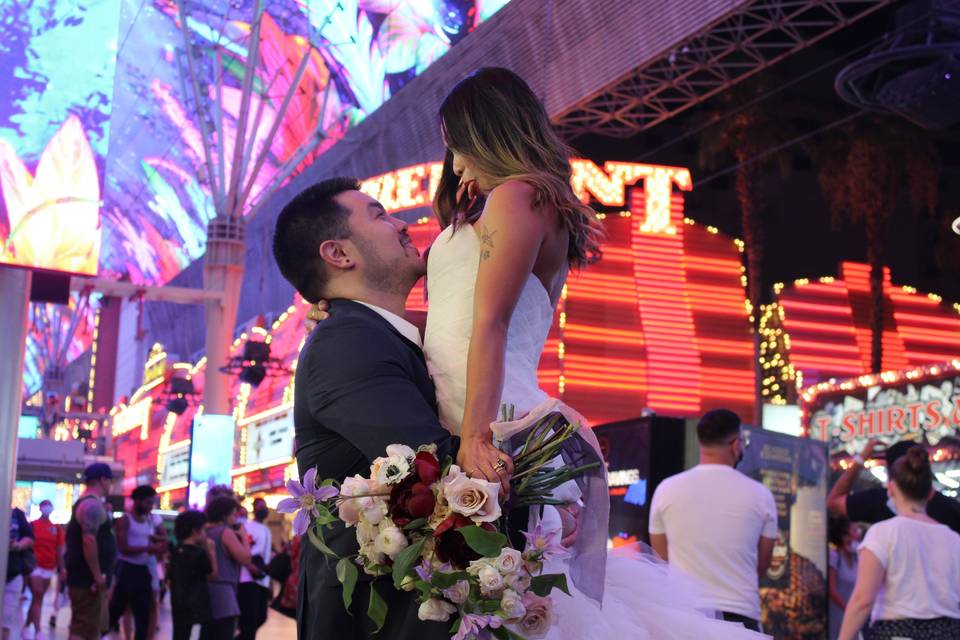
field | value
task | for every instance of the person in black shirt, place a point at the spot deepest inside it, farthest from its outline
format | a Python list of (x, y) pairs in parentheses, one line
[(873, 505), (193, 564), (21, 539)]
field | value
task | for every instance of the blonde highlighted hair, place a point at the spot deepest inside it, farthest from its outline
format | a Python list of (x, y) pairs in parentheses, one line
[(493, 118)]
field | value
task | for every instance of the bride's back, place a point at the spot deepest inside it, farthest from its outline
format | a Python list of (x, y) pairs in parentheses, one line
[(451, 278)]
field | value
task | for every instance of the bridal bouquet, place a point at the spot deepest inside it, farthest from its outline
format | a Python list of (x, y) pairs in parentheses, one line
[(426, 526)]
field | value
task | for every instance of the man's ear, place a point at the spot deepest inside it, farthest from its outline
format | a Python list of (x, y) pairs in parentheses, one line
[(335, 254)]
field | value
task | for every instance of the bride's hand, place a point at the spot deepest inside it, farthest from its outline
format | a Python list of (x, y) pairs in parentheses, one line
[(317, 314), (570, 519), (480, 459)]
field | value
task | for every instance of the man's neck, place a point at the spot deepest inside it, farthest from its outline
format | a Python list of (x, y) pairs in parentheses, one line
[(711, 457), (393, 302)]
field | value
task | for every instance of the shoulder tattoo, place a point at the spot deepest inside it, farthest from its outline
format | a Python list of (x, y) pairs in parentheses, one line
[(486, 242)]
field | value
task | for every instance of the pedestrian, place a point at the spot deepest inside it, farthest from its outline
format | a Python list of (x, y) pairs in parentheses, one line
[(874, 505), (716, 524), (48, 549), (192, 566), (844, 537), (91, 552), (254, 593), (232, 552), (908, 579), (18, 566), (136, 531)]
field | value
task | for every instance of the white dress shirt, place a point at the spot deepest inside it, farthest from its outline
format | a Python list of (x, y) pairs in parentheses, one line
[(406, 329)]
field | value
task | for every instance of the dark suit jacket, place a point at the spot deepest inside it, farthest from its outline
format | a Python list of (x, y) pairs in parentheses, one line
[(360, 386)]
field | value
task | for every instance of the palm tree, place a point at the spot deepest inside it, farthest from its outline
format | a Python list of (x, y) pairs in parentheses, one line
[(865, 171), (748, 135)]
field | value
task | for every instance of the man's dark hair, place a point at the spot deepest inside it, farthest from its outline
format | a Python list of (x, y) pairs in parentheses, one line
[(219, 509), (718, 427), (43, 502), (187, 523), (309, 220), (837, 529), (897, 451), (142, 492)]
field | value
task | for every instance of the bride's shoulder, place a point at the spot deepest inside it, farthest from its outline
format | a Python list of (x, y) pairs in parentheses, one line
[(515, 191)]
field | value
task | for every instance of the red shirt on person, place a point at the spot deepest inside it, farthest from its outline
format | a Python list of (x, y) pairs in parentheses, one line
[(48, 539)]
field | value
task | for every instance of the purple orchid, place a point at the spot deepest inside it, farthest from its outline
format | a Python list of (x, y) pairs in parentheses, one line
[(474, 626), (305, 499), (545, 543), (425, 571)]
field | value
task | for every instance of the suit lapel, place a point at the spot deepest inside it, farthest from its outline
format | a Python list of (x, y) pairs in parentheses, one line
[(349, 306)]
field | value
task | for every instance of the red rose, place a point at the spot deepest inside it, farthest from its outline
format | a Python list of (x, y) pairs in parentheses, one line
[(428, 467), (452, 547), (410, 500), (421, 502)]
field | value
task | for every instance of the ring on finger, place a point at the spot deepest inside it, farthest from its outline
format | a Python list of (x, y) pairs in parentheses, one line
[(500, 466)]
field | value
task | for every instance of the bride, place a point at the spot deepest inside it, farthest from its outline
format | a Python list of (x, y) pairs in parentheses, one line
[(512, 228)]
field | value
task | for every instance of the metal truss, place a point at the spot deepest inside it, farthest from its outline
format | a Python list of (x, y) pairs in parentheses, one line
[(753, 38)]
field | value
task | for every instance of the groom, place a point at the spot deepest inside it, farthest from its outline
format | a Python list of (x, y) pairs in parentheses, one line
[(361, 382)]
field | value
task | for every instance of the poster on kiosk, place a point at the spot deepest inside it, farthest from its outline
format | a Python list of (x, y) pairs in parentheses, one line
[(211, 456)]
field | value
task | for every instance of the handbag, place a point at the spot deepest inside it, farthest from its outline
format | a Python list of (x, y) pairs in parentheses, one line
[(29, 560)]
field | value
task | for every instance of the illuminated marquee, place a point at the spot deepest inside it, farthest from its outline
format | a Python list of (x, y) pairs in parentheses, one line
[(136, 416), (889, 406)]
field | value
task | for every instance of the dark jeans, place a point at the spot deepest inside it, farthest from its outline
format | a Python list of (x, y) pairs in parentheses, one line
[(133, 591), (254, 600), (181, 630), (749, 623), (222, 629)]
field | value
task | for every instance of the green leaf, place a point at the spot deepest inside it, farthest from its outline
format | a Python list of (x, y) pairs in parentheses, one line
[(377, 609), (542, 585), (486, 543), (455, 626), (447, 580), (315, 534), (424, 589), (415, 524), (324, 517), (489, 606), (405, 560), (503, 633), (347, 574)]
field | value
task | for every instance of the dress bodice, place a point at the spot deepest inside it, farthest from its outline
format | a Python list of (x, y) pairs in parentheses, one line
[(451, 281)]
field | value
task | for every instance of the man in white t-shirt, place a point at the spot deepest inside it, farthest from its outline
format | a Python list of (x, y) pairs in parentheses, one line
[(716, 524), (253, 594)]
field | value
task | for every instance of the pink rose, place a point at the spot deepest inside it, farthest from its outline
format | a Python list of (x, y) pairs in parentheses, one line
[(538, 617), (476, 499)]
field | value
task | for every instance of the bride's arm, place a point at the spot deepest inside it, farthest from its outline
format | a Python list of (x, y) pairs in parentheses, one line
[(511, 234)]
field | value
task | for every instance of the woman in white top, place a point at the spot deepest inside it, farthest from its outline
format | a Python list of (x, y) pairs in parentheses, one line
[(909, 574)]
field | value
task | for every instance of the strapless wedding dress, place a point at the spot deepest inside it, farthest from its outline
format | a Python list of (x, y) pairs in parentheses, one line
[(644, 599)]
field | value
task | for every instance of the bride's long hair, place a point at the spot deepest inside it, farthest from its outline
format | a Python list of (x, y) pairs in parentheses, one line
[(493, 118)]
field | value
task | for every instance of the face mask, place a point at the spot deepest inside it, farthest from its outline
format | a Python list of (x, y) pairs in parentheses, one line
[(262, 514), (240, 520), (46, 510)]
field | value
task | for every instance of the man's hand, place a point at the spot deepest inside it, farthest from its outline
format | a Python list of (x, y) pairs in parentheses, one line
[(317, 314), (100, 583), (570, 519), (869, 448), (480, 459)]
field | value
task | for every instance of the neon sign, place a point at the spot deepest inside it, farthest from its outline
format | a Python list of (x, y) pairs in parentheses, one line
[(135, 416), (414, 186)]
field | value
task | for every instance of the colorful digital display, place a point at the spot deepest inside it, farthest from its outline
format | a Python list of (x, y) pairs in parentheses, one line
[(101, 155), (211, 456)]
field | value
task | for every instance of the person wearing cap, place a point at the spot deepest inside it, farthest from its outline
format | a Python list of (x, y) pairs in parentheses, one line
[(874, 505), (90, 556)]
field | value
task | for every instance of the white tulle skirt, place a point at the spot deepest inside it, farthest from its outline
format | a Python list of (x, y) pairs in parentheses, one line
[(644, 599)]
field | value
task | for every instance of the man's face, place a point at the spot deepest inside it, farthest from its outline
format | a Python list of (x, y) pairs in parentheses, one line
[(384, 253), (143, 505)]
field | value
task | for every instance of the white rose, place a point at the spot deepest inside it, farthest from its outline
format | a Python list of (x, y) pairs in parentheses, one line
[(510, 561), (458, 593), (391, 541), (390, 470), (400, 451), (366, 533), (512, 606), (436, 610), (476, 565), (476, 499), (491, 582)]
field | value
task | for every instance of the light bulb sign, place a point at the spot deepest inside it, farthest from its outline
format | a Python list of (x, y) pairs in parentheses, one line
[(921, 405)]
